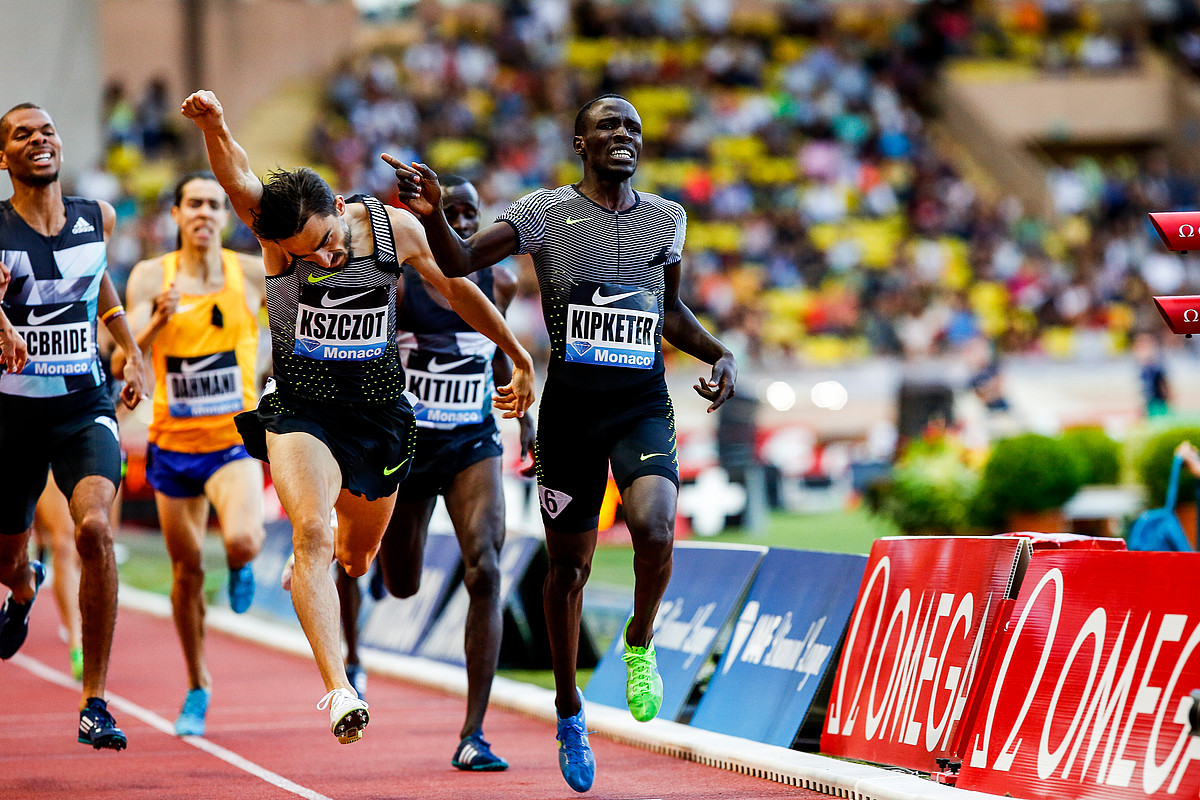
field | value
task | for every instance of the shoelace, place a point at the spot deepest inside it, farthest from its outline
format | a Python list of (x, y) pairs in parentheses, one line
[(641, 670), (576, 746), (101, 717), (346, 694)]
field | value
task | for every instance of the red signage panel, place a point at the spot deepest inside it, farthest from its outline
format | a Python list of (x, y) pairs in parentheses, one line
[(1089, 695), (1177, 229), (1181, 312), (927, 608)]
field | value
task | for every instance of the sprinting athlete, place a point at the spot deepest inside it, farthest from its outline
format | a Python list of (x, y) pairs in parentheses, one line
[(334, 423), (608, 263), (450, 369), (195, 310), (54, 410)]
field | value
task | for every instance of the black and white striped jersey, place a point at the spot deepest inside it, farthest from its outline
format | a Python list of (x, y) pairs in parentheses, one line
[(332, 331), (602, 280)]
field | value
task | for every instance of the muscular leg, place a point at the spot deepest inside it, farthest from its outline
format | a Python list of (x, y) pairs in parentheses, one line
[(402, 551), (650, 514), (91, 503), (14, 567), (53, 522), (562, 596), (308, 480), (475, 501), (184, 520), (236, 493)]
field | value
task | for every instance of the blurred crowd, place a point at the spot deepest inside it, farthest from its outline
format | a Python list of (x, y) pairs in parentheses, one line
[(825, 222)]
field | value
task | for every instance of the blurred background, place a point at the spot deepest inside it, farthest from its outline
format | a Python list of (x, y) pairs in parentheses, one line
[(921, 226)]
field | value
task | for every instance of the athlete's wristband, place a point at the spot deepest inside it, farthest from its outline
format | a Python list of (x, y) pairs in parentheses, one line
[(116, 311)]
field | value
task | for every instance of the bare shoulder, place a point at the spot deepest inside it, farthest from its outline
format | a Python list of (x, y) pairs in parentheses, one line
[(145, 280), (408, 233), (108, 215), (253, 267)]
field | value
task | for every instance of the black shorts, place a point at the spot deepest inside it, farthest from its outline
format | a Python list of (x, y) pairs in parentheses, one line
[(581, 432), (442, 455), (75, 434), (372, 444)]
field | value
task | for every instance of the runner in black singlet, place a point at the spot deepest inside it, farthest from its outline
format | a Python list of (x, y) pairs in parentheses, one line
[(54, 409), (452, 370), (608, 262), (334, 423)]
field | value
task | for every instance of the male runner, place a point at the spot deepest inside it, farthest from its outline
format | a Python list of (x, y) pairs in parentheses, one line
[(335, 425), (196, 310), (608, 262), (450, 369), (55, 411)]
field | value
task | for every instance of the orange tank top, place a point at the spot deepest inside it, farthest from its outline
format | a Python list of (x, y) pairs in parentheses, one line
[(204, 363)]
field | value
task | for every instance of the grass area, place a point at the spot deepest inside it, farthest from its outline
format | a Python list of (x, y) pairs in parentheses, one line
[(834, 532)]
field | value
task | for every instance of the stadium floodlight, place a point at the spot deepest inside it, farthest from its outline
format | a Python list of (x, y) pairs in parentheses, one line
[(1179, 230)]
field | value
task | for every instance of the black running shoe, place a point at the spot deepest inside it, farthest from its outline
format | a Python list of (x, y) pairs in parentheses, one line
[(98, 728), (14, 617)]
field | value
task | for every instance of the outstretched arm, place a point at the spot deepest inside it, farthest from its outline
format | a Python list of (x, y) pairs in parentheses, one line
[(420, 191), (472, 305), (684, 331), (227, 158)]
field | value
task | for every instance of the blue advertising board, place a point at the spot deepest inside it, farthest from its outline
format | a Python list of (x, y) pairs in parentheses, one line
[(444, 641), (782, 645), (707, 583), (397, 625)]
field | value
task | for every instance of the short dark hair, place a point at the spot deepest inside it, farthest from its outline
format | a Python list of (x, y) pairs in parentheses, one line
[(198, 175), (4, 119), (289, 200), (579, 124), (452, 180)]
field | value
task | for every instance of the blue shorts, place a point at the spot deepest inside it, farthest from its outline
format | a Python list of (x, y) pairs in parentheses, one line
[(184, 474)]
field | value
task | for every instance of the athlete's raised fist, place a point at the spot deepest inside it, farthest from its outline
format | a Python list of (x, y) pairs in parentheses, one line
[(417, 186), (203, 108)]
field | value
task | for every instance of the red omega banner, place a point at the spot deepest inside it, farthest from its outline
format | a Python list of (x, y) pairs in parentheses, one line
[(1089, 694), (927, 608)]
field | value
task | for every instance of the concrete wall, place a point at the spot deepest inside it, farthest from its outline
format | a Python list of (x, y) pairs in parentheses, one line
[(252, 47), (49, 55)]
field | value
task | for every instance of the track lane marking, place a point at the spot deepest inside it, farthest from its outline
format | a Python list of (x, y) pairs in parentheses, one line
[(162, 725)]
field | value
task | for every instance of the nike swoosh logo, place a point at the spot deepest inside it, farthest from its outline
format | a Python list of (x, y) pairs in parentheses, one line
[(573, 221), (37, 319), (314, 279), (434, 366), (387, 471), (188, 307), (601, 300), (652, 455), (328, 303), (196, 366)]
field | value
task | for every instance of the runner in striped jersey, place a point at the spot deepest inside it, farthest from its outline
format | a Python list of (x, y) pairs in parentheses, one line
[(335, 425), (608, 262)]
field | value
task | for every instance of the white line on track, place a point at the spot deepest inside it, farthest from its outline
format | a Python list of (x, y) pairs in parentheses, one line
[(160, 724)]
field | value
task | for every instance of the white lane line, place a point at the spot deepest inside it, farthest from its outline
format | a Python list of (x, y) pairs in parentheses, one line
[(160, 724)]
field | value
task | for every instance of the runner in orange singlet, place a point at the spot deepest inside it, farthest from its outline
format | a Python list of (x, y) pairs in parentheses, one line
[(195, 309)]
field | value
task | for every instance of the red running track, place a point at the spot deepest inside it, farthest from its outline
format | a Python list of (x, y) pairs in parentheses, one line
[(267, 741)]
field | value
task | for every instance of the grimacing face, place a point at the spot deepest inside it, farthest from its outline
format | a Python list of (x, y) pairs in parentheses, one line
[(202, 212), (32, 151), (323, 241), (611, 143)]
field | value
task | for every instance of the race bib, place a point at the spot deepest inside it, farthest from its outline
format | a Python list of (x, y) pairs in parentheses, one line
[(204, 386), (58, 337), (611, 324), (342, 324), (450, 390)]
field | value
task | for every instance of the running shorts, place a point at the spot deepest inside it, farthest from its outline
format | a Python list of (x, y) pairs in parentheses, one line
[(178, 474), (74, 434), (581, 433), (372, 444), (442, 454)]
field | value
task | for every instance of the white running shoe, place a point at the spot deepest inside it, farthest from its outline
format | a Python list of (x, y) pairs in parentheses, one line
[(347, 714)]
